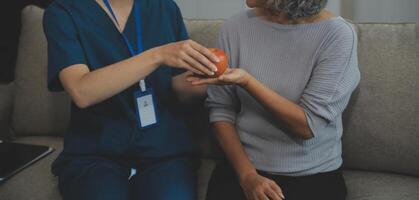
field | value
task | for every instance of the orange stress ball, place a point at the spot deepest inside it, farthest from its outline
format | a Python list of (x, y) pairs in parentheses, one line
[(223, 64)]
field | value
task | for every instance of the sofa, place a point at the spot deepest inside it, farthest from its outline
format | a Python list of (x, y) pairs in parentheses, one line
[(381, 123)]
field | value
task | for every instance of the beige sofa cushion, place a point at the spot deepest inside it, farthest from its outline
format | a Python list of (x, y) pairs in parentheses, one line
[(36, 111), (364, 185), (381, 129), (204, 32)]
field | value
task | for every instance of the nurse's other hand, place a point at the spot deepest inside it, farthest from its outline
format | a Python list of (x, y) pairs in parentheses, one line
[(188, 55), (257, 187), (232, 76)]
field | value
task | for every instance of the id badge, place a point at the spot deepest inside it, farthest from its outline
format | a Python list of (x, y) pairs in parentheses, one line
[(146, 109)]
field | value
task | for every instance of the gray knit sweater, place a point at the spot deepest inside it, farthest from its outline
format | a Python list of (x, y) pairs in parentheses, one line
[(314, 65)]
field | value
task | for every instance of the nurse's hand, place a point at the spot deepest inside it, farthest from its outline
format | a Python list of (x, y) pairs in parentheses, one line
[(188, 55), (232, 76)]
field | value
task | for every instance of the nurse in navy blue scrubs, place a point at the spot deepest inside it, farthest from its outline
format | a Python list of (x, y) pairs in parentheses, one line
[(124, 63)]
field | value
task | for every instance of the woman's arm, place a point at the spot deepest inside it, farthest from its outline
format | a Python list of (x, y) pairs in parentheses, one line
[(283, 109), (229, 141), (67, 64), (254, 185), (185, 91), (88, 88), (224, 104)]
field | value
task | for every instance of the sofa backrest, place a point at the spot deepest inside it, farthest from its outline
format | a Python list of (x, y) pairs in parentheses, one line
[(381, 123), (205, 32), (381, 129), (36, 111)]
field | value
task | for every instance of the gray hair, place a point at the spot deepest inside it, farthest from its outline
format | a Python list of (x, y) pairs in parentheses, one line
[(295, 9)]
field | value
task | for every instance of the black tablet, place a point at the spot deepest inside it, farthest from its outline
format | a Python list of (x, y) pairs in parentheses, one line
[(15, 157)]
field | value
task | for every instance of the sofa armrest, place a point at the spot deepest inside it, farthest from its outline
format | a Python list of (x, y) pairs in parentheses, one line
[(6, 105)]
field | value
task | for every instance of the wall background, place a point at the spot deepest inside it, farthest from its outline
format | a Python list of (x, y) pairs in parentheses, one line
[(357, 10), (385, 10)]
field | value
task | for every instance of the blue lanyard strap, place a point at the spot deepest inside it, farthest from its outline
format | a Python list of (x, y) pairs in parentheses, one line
[(131, 49), (138, 28)]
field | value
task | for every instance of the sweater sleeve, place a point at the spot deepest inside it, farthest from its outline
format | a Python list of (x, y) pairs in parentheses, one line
[(222, 101), (332, 81)]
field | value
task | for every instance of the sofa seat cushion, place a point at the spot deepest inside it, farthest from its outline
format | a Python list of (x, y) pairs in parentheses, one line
[(35, 182), (380, 186)]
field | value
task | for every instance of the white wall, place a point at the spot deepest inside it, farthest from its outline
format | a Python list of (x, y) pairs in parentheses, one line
[(210, 9), (386, 10), (335, 6), (358, 10), (221, 9)]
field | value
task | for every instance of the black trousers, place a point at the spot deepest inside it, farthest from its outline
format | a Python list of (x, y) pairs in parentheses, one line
[(224, 185)]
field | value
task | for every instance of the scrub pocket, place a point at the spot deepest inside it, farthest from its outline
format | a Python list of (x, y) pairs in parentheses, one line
[(116, 138)]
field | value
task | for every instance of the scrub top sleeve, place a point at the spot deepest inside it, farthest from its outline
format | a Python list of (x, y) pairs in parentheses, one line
[(181, 34), (64, 48)]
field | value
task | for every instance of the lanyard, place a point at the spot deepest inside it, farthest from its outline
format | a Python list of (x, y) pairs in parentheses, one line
[(138, 32)]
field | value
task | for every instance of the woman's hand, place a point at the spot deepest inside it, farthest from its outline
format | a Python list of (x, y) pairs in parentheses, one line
[(231, 76), (188, 55), (257, 187)]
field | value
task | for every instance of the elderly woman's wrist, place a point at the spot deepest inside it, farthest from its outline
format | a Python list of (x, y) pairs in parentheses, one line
[(248, 81), (242, 176)]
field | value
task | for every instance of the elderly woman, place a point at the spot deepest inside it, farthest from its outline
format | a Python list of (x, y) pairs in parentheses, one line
[(278, 114)]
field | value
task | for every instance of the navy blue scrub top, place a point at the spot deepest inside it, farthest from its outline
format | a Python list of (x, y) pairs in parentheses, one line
[(81, 32)]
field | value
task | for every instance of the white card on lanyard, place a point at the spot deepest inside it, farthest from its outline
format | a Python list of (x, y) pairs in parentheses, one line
[(146, 109)]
